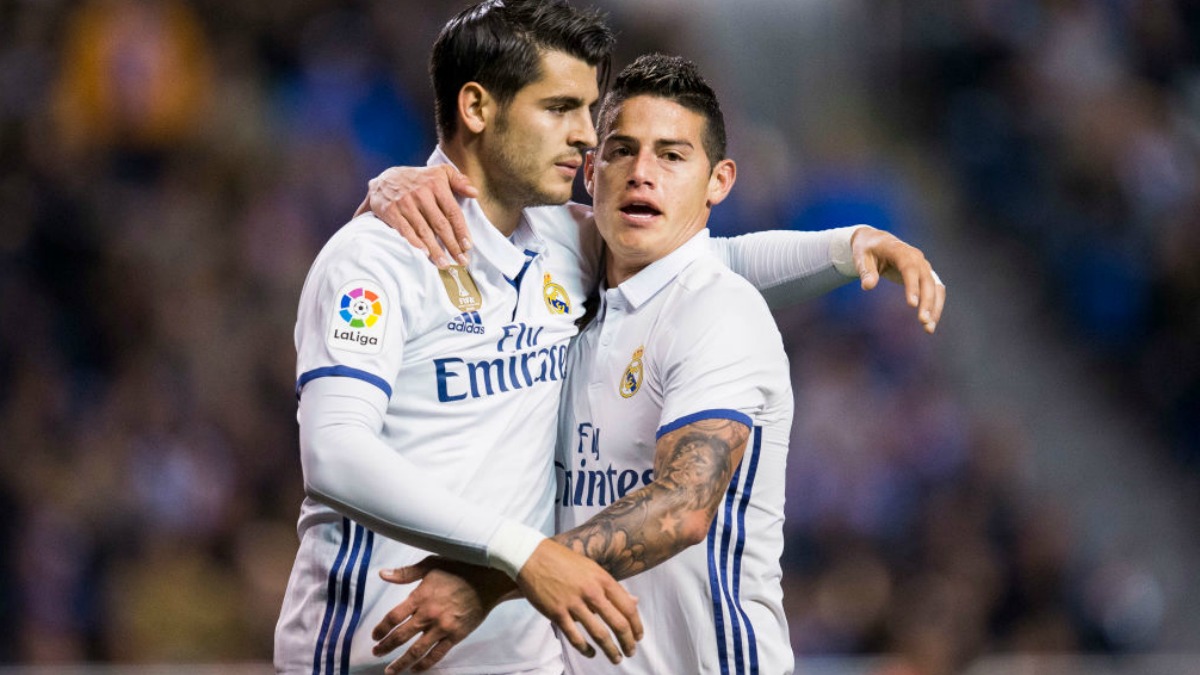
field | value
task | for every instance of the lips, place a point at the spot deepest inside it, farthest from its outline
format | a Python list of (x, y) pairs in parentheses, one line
[(640, 209)]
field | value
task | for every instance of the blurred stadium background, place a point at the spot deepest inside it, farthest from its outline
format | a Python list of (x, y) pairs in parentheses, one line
[(1017, 494)]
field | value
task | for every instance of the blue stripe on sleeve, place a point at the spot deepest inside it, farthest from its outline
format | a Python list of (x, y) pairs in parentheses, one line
[(343, 371), (715, 413)]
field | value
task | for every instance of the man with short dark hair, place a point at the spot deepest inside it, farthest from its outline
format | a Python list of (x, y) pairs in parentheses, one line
[(684, 352), (428, 398)]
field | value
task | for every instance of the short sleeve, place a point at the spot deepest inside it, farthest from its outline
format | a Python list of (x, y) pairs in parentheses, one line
[(350, 321), (724, 360)]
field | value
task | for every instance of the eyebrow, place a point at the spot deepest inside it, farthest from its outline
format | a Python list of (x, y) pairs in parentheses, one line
[(660, 143), (569, 101)]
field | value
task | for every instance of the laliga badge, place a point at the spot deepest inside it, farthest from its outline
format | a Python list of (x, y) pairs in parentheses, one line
[(631, 381), (357, 321), (557, 300), (461, 288)]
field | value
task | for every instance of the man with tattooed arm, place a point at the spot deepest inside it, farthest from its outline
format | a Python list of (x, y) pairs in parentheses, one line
[(673, 428)]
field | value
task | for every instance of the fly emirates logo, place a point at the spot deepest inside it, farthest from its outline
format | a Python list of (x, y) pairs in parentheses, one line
[(595, 482), (520, 363)]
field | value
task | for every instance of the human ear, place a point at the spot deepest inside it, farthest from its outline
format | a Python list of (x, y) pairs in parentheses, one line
[(589, 172), (475, 107), (721, 181)]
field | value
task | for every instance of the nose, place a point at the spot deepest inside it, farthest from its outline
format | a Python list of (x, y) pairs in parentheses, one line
[(641, 171), (583, 132)]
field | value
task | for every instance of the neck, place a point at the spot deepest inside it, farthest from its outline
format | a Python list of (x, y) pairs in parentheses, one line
[(505, 217), (618, 270)]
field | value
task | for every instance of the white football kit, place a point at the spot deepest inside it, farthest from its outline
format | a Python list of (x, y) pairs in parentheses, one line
[(685, 340), (428, 405)]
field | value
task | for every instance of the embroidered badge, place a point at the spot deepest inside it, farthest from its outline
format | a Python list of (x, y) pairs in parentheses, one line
[(461, 288), (631, 381), (557, 300), (357, 323)]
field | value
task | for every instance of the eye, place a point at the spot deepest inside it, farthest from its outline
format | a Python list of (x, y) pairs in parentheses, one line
[(620, 151), (672, 156)]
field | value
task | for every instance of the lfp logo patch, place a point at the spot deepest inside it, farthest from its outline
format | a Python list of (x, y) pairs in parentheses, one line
[(357, 323), (361, 308)]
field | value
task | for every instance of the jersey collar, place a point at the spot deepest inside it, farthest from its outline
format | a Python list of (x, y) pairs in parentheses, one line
[(508, 254), (654, 277)]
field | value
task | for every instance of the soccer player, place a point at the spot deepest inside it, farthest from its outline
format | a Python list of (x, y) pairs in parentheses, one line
[(673, 430), (428, 397)]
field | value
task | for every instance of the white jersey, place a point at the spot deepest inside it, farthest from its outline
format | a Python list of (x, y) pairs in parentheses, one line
[(471, 362), (684, 340)]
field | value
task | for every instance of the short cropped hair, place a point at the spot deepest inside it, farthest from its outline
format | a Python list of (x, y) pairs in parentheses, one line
[(499, 44), (673, 78)]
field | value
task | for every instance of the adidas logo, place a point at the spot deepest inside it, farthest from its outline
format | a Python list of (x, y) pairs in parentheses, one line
[(467, 322)]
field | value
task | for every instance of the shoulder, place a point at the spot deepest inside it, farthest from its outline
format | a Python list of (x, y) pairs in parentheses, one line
[(713, 308), (570, 224), (370, 244), (708, 284)]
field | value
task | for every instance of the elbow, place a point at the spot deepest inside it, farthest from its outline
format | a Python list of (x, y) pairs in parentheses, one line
[(321, 471), (695, 527)]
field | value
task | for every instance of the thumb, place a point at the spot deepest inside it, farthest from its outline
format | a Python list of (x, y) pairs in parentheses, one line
[(405, 575), (462, 185), (868, 271)]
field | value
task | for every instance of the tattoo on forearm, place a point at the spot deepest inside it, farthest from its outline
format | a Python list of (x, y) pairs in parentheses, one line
[(692, 468)]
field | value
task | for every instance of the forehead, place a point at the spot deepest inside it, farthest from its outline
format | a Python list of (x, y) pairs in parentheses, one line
[(563, 75), (653, 118)]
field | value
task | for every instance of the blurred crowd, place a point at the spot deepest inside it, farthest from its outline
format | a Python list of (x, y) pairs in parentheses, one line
[(168, 170), (1073, 128)]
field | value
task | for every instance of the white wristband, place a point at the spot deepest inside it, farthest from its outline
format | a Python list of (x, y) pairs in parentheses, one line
[(840, 252), (511, 546)]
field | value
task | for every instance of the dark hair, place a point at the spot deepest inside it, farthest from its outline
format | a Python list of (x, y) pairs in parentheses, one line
[(675, 79), (499, 44)]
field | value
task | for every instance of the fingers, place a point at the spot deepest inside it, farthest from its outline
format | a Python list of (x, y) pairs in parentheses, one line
[(436, 654), (421, 206), (414, 653), (626, 604), (448, 205), (627, 626), (442, 214), (910, 276), (461, 184), (600, 634), (385, 630), (939, 302), (410, 210), (571, 631), (456, 222)]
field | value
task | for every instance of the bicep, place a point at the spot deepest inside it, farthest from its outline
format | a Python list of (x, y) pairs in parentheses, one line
[(698, 459)]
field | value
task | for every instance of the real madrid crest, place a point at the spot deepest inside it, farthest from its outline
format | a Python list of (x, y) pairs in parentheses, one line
[(461, 288), (557, 300), (631, 381)]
